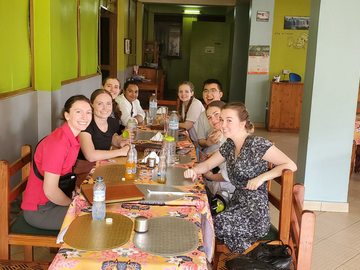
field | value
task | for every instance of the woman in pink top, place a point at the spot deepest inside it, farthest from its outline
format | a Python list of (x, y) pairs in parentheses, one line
[(45, 204)]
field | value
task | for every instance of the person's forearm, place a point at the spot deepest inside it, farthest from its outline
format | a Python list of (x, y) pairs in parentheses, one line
[(58, 197), (187, 125), (96, 155), (203, 143), (217, 177), (276, 171)]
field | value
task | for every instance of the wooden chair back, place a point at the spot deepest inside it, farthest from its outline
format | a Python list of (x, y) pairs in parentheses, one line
[(8, 196), (175, 103), (302, 230)]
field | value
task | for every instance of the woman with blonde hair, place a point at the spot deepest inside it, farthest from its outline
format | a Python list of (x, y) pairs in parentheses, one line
[(190, 109)]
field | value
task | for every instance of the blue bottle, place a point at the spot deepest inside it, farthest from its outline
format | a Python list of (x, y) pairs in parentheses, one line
[(98, 207)]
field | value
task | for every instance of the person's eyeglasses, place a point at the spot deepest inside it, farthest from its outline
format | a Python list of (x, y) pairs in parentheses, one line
[(213, 91)]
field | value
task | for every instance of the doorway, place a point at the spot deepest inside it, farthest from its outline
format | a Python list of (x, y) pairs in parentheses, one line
[(108, 43)]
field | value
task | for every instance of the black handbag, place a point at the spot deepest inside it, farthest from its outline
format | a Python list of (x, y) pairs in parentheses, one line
[(276, 255), (66, 182), (245, 263)]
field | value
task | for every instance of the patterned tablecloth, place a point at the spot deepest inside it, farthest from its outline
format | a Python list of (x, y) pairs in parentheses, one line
[(194, 207), (128, 256)]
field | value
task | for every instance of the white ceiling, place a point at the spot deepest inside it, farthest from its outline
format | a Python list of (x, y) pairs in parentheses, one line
[(194, 2)]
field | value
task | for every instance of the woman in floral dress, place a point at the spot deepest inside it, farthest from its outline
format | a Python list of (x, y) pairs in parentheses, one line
[(247, 218)]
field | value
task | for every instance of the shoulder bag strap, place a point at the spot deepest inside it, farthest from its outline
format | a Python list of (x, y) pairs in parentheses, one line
[(36, 171)]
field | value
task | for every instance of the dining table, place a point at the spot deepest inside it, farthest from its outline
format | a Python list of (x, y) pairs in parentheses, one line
[(180, 235)]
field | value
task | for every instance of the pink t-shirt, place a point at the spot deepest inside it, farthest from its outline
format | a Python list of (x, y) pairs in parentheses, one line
[(56, 154)]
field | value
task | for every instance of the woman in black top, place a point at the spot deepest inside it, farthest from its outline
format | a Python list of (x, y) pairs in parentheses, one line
[(102, 131)]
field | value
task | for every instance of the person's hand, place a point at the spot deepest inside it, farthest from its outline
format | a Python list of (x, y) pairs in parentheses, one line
[(124, 150), (190, 173), (254, 183), (124, 143), (214, 137)]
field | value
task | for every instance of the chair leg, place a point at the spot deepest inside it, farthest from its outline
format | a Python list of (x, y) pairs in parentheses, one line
[(28, 253)]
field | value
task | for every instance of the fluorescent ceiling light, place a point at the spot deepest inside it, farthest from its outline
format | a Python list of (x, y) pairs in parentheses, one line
[(190, 11)]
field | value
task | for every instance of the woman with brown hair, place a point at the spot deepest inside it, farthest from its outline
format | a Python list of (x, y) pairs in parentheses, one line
[(247, 162), (190, 109), (45, 204)]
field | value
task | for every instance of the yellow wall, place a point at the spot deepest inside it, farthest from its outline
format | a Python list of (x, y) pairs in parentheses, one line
[(288, 48)]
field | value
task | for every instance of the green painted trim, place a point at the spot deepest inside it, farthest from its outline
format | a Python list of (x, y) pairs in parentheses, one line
[(139, 32), (122, 32)]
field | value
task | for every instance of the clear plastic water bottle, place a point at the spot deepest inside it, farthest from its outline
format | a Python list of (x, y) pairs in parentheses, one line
[(135, 157), (98, 207), (170, 150), (174, 126), (153, 107), (132, 127)]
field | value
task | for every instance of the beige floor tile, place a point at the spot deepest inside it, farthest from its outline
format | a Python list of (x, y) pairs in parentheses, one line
[(345, 267), (323, 263), (347, 239), (43, 254), (334, 251), (354, 262)]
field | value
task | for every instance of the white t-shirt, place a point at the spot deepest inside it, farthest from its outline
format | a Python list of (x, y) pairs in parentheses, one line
[(195, 109), (215, 186), (203, 132), (125, 108)]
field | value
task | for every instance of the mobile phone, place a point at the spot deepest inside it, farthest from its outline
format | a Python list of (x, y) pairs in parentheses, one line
[(183, 151)]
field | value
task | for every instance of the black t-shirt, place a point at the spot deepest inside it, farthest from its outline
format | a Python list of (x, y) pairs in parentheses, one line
[(101, 140)]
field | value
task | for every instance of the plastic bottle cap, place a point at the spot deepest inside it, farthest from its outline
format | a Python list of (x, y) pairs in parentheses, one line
[(99, 179), (126, 134), (109, 220), (169, 138), (123, 179)]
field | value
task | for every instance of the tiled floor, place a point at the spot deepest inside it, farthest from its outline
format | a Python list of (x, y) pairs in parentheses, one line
[(337, 234)]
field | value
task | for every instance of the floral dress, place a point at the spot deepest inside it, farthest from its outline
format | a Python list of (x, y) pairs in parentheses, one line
[(247, 218)]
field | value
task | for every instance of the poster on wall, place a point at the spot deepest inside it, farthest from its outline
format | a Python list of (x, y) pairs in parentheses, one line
[(258, 59)]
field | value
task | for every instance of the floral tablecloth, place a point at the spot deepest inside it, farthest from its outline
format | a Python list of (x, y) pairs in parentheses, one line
[(194, 207), (128, 256)]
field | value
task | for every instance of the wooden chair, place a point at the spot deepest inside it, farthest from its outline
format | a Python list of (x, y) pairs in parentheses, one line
[(302, 230), (9, 265), (301, 236), (282, 203), (19, 232), (175, 103)]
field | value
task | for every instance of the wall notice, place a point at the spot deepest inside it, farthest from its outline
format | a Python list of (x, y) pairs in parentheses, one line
[(258, 59)]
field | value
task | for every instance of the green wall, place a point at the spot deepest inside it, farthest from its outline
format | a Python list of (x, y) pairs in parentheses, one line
[(15, 70), (55, 43), (210, 65), (177, 70), (288, 48)]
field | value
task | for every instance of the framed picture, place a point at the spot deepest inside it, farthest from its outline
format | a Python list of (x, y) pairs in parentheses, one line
[(262, 16), (296, 23)]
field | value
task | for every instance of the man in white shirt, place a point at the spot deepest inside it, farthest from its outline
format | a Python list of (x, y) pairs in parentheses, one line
[(208, 138), (129, 105)]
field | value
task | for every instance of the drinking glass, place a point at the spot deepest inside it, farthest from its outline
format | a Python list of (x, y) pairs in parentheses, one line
[(149, 118)]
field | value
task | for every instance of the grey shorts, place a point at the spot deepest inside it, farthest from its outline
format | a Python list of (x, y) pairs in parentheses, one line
[(49, 216)]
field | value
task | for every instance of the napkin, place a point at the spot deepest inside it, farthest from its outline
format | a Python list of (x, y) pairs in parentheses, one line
[(161, 110), (157, 138), (152, 155)]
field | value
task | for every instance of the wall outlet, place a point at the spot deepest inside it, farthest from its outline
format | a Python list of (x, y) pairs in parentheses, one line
[(285, 71)]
